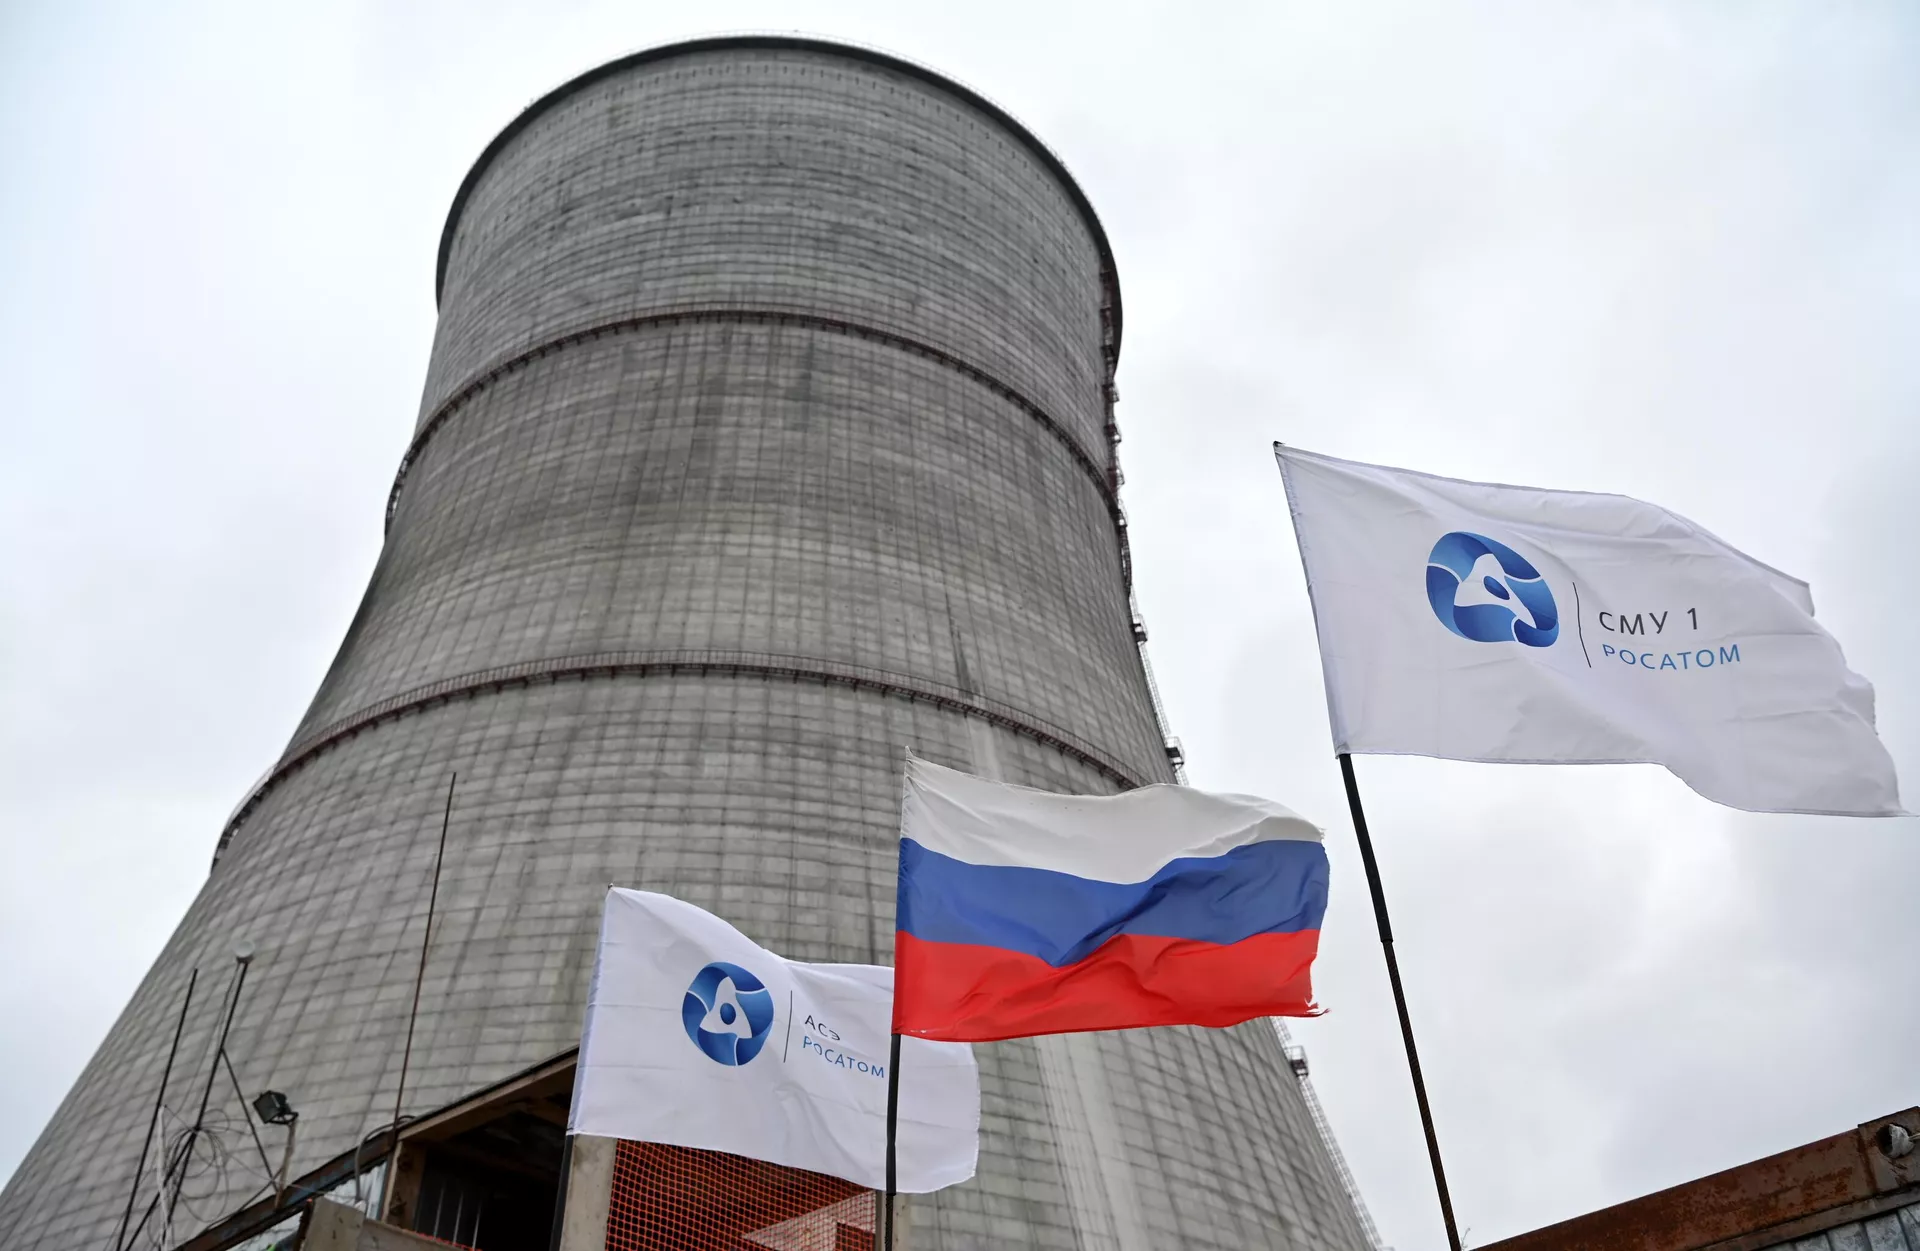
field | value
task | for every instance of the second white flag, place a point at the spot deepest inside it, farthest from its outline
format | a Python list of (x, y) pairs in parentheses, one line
[(1473, 621)]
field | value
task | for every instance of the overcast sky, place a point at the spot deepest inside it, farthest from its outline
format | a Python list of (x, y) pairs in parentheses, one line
[(1665, 250)]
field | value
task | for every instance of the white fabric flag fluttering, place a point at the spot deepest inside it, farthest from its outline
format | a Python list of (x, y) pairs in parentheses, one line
[(1471, 621), (698, 1037)]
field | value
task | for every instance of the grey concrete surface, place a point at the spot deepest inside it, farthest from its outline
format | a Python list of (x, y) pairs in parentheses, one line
[(765, 437), (589, 1194)]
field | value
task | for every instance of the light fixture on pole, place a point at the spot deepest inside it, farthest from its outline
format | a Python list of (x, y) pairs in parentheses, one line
[(273, 1109)]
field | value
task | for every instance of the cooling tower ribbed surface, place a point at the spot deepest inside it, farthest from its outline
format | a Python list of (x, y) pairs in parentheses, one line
[(766, 435)]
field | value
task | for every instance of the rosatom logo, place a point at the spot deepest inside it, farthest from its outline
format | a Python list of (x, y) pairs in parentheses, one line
[(728, 1013), (1454, 564)]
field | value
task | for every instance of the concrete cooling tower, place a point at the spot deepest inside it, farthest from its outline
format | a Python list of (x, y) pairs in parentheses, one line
[(768, 433)]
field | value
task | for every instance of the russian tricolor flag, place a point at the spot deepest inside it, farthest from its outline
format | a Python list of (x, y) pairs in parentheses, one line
[(1023, 912)]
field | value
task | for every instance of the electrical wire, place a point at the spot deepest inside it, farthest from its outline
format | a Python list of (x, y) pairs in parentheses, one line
[(202, 1170)]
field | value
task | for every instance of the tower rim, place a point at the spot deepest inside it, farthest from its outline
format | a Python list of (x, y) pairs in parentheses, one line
[(1109, 271)]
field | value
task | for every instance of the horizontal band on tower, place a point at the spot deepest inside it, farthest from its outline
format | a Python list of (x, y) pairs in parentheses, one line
[(772, 42), (646, 664), (1104, 480)]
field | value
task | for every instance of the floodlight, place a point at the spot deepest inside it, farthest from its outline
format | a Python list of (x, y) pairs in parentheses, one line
[(273, 1108)]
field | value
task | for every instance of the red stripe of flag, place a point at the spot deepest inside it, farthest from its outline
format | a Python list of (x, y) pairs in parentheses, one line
[(961, 993)]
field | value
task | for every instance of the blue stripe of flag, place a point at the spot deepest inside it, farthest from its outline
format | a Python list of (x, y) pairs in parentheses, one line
[(1278, 886)]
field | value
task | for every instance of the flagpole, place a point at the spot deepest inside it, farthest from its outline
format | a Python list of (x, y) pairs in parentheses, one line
[(893, 1047), (893, 1119), (1399, 999)]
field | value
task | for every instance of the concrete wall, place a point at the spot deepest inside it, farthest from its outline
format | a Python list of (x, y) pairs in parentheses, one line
[(764, 437), (335, 1227)]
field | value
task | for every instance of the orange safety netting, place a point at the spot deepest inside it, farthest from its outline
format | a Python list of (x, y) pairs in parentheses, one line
[(676, 1199)]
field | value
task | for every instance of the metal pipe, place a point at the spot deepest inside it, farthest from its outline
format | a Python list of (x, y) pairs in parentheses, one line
[(243, 960), (560, 1192), (266, 1161), (406, 1055), (153, 1122)]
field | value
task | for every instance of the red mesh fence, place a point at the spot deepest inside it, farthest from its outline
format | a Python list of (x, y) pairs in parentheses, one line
[(674, 1198)]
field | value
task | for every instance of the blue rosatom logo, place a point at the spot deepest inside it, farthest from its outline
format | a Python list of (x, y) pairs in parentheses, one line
[(1452, 566), (728, 1013)]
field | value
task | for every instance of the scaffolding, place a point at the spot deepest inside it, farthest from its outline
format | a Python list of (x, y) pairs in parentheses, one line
[(1297, 1061)]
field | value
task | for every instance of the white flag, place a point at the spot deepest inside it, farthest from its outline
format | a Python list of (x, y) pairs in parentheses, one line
[(1496, 623), (698, 1037)]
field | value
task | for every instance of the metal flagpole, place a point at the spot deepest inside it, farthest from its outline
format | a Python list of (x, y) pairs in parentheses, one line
[(893, 1051), (1399, 997), (893, 1119)]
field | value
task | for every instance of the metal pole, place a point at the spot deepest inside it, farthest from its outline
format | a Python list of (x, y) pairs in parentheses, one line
[(893, 1120), (159, 1101), (406, 1055), (1399, 997), (286, 1163), (206, 1093), (560, 1194), (246, 1113)]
